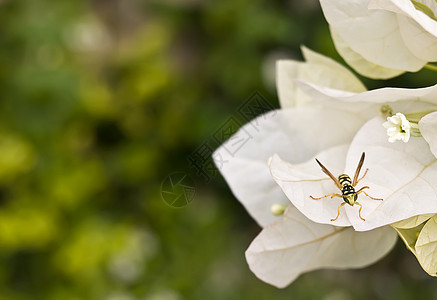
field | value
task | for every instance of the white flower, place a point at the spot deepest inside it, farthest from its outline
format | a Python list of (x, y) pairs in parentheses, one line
[(291, 244), (399, 128), (323, 108), (383, 38), (428, 129)]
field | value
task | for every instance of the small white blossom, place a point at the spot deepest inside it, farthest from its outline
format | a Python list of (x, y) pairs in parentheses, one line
[(399, 128)]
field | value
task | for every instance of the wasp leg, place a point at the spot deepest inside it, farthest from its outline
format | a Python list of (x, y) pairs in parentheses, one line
[(338, 210), (366, 187), (332, 196), (361, 189), (372, 197), (362, 176), (359, 211)]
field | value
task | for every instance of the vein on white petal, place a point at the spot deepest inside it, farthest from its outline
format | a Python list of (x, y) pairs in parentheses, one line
[(414, 178), (335, 231)]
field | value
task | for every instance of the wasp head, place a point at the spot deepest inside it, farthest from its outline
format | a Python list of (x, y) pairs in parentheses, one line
[(350, 198)]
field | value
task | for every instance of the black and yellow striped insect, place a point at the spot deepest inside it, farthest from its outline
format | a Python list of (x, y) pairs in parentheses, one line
[(347, 187)]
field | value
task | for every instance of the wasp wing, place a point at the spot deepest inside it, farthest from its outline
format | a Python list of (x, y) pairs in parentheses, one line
[(357, 171), (326, 171)]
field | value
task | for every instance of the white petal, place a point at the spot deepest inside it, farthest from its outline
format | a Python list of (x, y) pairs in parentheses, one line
[(397, 120), (393, 131), (392, 139), (403, 119), (288, 92), (428, 129), (422, 43), (367, 104), (294, 245), (406, 8), (409, 236), (318, 69), (294, 135), (403, 174), (359, 63), (338, 76), (374, 34), (426, 247), (405, 137), (418, 31), (412, 222)]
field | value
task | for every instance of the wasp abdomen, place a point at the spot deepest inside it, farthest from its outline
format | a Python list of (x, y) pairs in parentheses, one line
[(347, 190), (344, 179)]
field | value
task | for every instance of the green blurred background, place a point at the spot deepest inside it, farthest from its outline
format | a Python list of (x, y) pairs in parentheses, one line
[(99, 102)]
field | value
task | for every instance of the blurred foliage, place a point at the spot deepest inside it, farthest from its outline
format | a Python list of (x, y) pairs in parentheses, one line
[(99, 101)]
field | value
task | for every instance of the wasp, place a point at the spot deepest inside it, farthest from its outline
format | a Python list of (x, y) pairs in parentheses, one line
[(347, 187)]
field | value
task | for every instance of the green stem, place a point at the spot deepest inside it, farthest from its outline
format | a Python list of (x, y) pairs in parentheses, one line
[(415, 117), (431, 67)]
